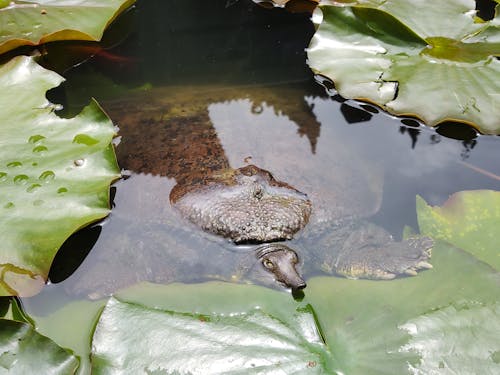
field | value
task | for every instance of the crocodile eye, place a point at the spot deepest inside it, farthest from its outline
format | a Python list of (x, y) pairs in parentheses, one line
[(268, 264)]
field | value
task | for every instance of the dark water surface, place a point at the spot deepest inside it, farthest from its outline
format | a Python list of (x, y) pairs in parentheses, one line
[(226, 81)]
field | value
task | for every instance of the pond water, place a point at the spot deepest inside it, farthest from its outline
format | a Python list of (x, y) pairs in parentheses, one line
[(202, 85)]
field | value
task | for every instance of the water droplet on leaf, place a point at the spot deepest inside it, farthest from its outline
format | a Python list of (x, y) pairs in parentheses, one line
[(85, 139), (21, 179), (33, 187), (14, 164), (39, 149), (47, 176), (35, 138)]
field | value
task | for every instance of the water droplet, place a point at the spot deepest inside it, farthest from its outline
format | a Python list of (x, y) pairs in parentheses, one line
[(85, 139), (39, 149), (33, 187), (21, 179), (35, 138), (38, 202), (47, 176), (8, 205), (79, 162), (14, 164), (3, 176), (62, 190), (34, 164)]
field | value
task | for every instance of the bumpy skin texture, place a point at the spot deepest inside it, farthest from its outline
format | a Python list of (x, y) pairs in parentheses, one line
[(245, 205), (365, 250)]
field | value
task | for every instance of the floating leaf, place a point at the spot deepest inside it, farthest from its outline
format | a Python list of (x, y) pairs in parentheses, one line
[(437, 64), (139, 340), (456, 340), (54, 174), (360, 318), (468, 220), (24, 351), (31, 22)]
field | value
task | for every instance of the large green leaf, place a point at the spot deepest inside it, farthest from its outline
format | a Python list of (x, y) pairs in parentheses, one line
[(54, 174), (469, 220), (24, 351), (436, 63), (30, 22), (186, 343), (456, 340)]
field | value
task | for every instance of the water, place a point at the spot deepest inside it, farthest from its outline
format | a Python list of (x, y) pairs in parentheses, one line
[(230, 79)]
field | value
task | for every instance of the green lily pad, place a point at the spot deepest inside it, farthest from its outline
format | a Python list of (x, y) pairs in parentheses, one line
[(31, 22), (456, 340), (437, 64), (24, 351), (54, 174), (187, 343), (469, 220)]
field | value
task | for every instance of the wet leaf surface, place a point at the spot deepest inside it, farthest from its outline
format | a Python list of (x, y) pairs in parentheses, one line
[(24, 351), (54, 174), (468, 220), (437, 64), (173, 342), (36, 22), (459, 339)]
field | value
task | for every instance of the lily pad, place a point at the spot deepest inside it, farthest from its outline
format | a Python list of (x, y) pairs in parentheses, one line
[(469, 220), (187, 343), (31, 22), (54, 174), (437, 64), (24, 351), (456, 340)]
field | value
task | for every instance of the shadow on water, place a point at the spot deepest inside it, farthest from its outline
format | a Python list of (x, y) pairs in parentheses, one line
[(201, 86)]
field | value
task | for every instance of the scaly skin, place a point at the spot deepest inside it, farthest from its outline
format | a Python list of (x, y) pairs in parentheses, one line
[(245, 205)]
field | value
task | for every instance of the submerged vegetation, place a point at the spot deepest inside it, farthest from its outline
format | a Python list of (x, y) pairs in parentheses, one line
[(437, 64)]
